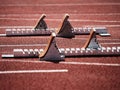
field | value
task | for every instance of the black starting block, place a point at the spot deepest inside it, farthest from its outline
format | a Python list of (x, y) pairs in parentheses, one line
[(64, 30)]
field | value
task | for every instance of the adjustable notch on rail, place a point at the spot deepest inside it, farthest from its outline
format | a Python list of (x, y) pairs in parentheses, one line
[(92, 42), (102, 31), (51, 52), (65, 28)]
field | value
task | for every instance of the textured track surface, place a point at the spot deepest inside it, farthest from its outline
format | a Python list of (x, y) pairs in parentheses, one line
[(85, 73)]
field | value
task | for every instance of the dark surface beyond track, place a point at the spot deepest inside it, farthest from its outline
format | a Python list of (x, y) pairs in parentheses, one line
[(84, 73)]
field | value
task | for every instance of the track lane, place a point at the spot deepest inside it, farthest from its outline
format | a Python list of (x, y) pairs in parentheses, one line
[(74, 22), (54, 17), (44, 40), (67, 9), (55, 2), (73, 79)]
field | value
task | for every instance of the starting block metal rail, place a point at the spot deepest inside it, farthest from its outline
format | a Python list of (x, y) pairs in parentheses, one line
[(64, 30), (27, 32), (53, 53), (102, 31), (66, 52)]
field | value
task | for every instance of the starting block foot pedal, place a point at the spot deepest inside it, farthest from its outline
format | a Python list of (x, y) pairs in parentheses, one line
[(51, 52), (41, 24), (65, 29), (92, 42)]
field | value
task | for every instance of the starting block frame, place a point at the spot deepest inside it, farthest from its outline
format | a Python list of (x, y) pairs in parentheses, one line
[(64, 30), (53, 53)]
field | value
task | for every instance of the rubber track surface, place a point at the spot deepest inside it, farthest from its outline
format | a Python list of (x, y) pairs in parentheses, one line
[(83, 73)]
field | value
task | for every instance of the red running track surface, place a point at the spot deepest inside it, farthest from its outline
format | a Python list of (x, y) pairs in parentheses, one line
[(83, 73)]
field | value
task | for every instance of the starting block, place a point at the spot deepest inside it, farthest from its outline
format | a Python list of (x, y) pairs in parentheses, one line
[(53, 53), (64, 30), (39, 29), (91, 48), (92, 41)]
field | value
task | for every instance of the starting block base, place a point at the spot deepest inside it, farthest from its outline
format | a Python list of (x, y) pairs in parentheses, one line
[(66, 52)]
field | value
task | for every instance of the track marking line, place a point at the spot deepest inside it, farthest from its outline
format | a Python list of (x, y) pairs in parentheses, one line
[(23, 61), (78, 20), (22, 45), (72, 63), (34, 71), (76, 27), (102, 25), (81, 20), (37, 15), (25, 19), (95, 64), (98, 39), (110, 43), (16, 26), (65, 4), (74, 20)]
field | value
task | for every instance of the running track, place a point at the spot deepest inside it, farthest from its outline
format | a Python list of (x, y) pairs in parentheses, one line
[(88, 73)]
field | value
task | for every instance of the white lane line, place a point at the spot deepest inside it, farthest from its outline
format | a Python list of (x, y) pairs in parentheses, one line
[(79, 14), (87, 63), (98, 39), (110, 43), (72, 63), (65, 4), (27, 19), (84, 20), (16, 26), (23, 45), (74, 20), (33, 71), (23, 61), (113, 26)]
